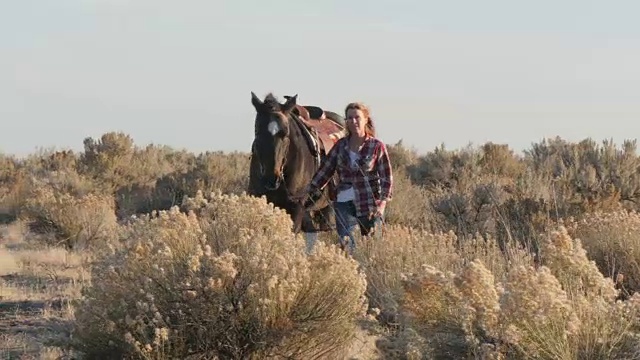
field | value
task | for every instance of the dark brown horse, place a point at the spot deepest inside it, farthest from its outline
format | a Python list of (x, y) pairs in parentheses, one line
[(287, 149)]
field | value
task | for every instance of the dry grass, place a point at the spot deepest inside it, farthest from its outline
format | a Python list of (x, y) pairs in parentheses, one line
[(36, 287)]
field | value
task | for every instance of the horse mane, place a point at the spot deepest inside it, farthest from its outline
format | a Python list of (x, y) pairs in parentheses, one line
[(271, 103)]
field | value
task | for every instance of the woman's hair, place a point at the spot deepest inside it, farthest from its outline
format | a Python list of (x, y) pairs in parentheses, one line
[(370, 128)]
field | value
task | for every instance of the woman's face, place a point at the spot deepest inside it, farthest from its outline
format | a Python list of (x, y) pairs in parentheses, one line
[(356, 121)]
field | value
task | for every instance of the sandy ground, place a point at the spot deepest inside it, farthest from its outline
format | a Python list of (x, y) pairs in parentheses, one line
[(364, 347), (35, 287)]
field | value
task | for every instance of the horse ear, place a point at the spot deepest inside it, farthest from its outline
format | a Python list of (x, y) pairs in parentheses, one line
[(290, 103), (257, 103)]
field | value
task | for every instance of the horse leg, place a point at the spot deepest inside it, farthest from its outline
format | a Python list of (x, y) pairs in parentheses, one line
[(310, 241), (310, 233), (297, 216), (301, 223)]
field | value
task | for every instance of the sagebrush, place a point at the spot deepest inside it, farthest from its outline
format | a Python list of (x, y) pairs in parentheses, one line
[(486, 254)]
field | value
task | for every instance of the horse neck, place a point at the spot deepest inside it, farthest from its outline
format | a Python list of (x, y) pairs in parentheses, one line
[(298, 152)]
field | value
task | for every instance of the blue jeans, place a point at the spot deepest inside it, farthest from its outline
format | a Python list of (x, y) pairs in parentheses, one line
[(347, 221)]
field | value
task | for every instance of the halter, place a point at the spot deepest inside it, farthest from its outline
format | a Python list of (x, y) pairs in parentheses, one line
[(285, 154)]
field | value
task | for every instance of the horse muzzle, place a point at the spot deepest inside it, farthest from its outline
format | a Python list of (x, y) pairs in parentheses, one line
[(272, 183)]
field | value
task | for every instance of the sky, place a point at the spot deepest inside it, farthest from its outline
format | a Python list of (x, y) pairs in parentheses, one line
[(180, 73)]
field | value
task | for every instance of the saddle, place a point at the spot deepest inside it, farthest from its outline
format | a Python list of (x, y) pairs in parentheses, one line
[(322, 130), (324, 127)]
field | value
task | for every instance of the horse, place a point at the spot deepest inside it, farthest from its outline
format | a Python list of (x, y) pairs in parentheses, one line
[(290, 142)]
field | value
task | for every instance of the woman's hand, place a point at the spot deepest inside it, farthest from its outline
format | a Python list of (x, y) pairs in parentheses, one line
[(380, 209), (307, 196)]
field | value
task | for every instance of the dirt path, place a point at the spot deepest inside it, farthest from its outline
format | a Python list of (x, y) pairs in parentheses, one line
[(35, 288), (364, 347)]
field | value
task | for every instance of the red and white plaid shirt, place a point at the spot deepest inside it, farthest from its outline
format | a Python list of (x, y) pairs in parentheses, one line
[(371, 178)]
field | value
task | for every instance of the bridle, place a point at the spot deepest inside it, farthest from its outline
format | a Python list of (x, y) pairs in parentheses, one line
[(279, 179)]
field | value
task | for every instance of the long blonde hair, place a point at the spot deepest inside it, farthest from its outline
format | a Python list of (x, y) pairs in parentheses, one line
[(370, 128)]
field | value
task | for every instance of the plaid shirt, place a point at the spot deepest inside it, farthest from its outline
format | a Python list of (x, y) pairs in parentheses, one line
[(372, 178)]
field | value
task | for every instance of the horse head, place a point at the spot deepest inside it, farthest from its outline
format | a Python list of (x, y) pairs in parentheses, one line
[(272, 138)]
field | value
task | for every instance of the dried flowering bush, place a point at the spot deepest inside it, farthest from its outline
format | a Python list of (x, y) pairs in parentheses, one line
[(430, 307), (607, 328), (77, 220), (536, 315), (563, 309), (426, 304), (405, 250), (402, 250), (612, 240), (227, 280)]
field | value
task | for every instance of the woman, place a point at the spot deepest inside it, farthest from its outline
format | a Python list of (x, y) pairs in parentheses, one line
[(365, 176)]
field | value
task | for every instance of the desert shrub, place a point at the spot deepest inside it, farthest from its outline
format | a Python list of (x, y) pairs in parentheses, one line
[(402, 250), (108, 160), (612, 240), (478, 189), (64, 160), (564, 309), (453, 279), (606, 328), (75, 220), (161, 178), (410, 205), (401, 157), (143, 190), (472, 208), (66, 181), (8, 172), (588, 177), (406, 250), (227, 279), (11, 181)]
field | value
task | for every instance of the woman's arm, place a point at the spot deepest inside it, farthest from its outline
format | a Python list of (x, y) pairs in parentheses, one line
[(385, 172), (326, 171)]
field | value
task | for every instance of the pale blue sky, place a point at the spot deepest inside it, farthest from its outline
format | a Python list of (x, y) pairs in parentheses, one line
[(180, 72)]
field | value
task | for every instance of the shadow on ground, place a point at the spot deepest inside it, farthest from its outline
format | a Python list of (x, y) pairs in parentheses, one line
[(50, 283), (28, 307), (27, 326)]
